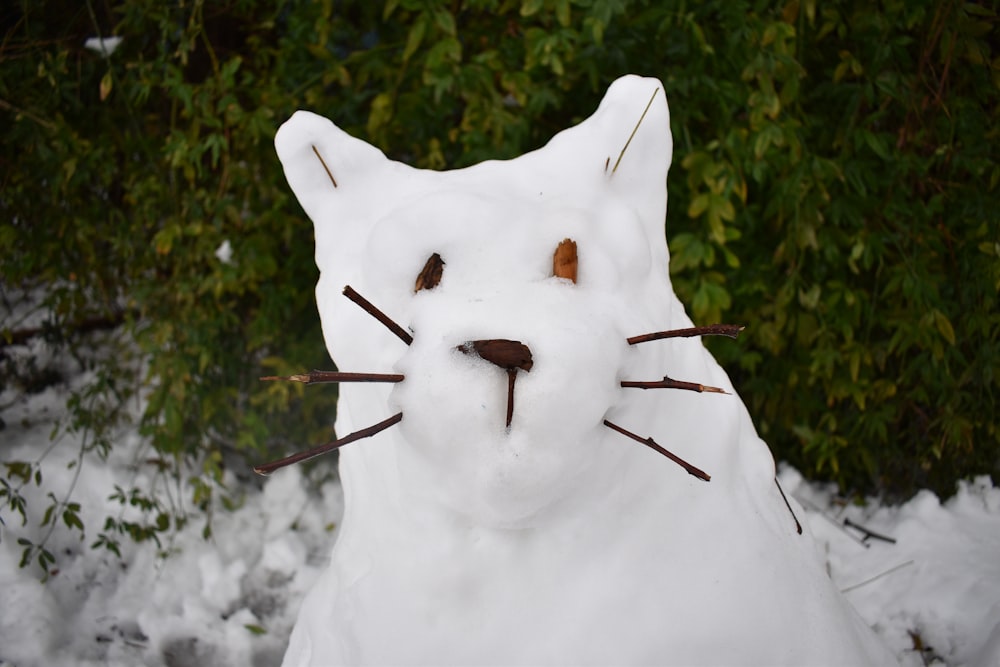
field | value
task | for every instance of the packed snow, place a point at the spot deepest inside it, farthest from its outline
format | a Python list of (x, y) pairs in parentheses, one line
[(231, 601), (546, 539)]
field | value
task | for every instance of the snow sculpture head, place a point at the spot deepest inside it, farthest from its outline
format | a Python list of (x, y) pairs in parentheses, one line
[(499, 525)]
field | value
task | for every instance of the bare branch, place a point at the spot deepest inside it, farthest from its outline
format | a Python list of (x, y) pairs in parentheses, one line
[(319, 377), (868, 533), (668, 383), (798, 526), (268, 468), (731, 330), (326, 168), (367, 306), (649, 442), (634, 130)]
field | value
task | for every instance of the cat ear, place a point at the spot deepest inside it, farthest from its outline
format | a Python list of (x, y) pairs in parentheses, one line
[(633, 122), (338, 180), (623, 150)]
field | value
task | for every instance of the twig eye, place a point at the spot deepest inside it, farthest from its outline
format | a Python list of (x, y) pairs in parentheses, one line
[(431, 274)]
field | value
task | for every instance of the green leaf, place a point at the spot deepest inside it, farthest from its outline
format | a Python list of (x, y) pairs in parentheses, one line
[(531, 7), (944, 327), (698, 205), (415, 37)]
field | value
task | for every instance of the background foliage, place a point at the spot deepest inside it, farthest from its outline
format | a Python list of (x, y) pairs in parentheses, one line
[(835, 187)]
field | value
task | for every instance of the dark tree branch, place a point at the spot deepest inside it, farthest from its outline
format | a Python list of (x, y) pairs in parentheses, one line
[(326, 168), (268, 468), (798, 526), (868, 533), (84, 326), (367, 306), (668, 383), (319, 377), (649, 442), (731, 330)]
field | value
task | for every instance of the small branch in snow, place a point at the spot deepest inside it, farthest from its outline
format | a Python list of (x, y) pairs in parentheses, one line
[(731, 330), (367, 306), (868, 533), (669, 383), (634, 130), (268, 468), (649, 442), (836, 524), (319, 377), (798, 526), (84, 326), (325, 168), (877, 577)]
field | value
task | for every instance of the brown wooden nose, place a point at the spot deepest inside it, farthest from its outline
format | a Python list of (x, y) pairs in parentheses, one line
[(510, 355), (507, 354)]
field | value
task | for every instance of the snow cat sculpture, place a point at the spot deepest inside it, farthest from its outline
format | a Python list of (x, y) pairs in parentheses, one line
[(544, 465)]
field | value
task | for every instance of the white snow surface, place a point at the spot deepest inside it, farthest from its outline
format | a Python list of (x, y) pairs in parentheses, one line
[(456, 540), (193, 607)]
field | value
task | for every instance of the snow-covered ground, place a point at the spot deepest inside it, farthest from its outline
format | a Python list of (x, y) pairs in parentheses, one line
[(933, 594)]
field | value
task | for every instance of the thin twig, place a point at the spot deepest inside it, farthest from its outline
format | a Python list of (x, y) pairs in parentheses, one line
[(268, 468), (367, 306), (326, 168), (836, 524), (319, 377), (511, 377), (868, 533), (669, 383), (4, 104), (731, 330), (649, 442), (877, 577), (798, 526), (634, 130)]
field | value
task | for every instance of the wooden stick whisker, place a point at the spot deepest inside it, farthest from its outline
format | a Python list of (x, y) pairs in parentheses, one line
[(325, 168), (299, 457), (670, 383), (320, 377), (731, 330), (367, 306), (652, 444)]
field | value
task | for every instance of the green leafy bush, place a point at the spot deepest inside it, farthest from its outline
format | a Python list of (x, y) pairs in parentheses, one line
[(833, 188)]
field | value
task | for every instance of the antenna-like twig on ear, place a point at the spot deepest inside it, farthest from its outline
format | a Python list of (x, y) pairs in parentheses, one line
[(268, 468), (649, 442), (367, 306), (731, 330), (798, 526), (670, 383), (319, 377), (325, 168), (634, 130)]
